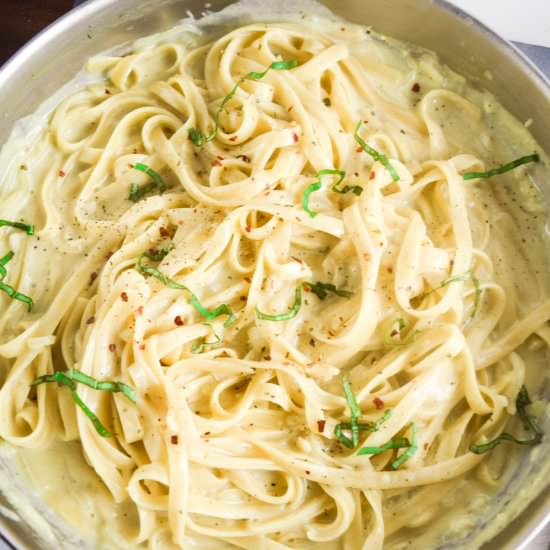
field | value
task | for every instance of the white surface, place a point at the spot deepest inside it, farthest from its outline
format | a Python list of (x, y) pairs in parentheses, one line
[(519, 20)]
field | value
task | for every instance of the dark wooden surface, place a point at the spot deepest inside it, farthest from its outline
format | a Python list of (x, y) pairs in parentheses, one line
[(24, 18)]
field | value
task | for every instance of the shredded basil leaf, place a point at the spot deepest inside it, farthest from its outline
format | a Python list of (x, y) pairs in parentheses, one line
[(72, 377), (355, 412), (317, 185), (209, 315), (376, 155), (529, 421), (29, 229), (502, 169), (463, 277), (9, 290), (198, 138), (305, 199), (363, 427), (397, 443), (137, 192), (399, 461), (290, 314), (322, 290), (201, 347)]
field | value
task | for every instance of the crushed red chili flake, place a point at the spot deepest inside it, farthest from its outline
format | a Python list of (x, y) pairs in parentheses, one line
[(416, 87), (372, 175), (61, 174), (233, 138), (174, 440), (178, 321), (216, 162), (139, 310), (359, 150), (307, 472), (248, 280), (244, 158), (109, 255), (321, 425), (295, 137), (142, 347), (90, 321), (248, 229), (378, 403), (164, 232), (112, 348), (124, 297), (426, 445), (93, 277), (290, 108)]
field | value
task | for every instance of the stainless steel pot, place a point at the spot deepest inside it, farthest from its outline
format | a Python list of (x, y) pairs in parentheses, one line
[(56, 55)]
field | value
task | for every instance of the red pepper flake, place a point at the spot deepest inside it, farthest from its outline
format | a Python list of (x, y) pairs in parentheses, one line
[(290, 108), (307, 472), (142, 347), (90, 321), (112, 348), (416, 87), (61, 174), (359, 150), (248, 280), (307, 289), (233, 138), (295, 137), (321, 425), (139, 310), (426, 445), (124, 297), (216, 162), (178, 321), (109, 255), (244, 158), (378, 403), (93, 277), (164, 232), (248, 229), (390, 270), (372, 175), (174, 440)]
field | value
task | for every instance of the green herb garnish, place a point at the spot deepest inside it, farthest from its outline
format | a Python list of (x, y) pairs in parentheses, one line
[(529, 421), (290, 314), (29, 229), (71, 377), (391, 332), (362, 427), (501, 169), (397, 443), (322, 290), (399, 461), (317, 185), (355, 412), (137, 192), (158, 256), (463, 277), (377, 156), (201, 347), (9, 290), (198, 138)]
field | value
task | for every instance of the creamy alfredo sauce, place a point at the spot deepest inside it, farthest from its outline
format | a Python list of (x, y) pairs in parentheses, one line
[(437, 312)]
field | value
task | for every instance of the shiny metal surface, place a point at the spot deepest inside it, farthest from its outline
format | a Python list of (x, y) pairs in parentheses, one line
[(55, 56)]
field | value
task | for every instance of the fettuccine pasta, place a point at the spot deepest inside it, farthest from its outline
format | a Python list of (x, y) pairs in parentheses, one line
[(281, 313)]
